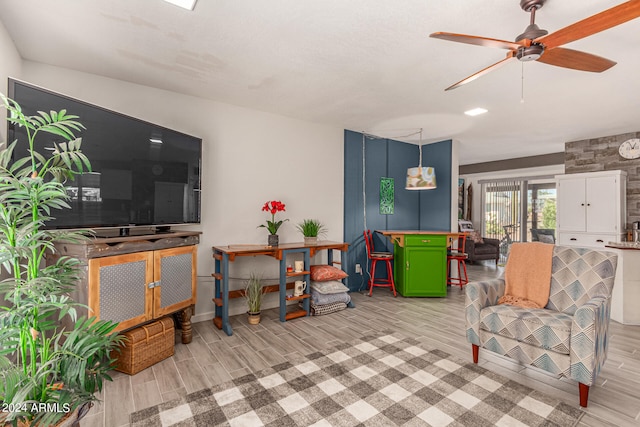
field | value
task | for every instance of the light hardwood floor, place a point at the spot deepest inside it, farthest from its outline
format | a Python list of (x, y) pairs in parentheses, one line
[(213, 357)]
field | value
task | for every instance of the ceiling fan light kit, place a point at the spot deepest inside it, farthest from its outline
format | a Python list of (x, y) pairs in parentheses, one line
[(530, 53), (536, 44)]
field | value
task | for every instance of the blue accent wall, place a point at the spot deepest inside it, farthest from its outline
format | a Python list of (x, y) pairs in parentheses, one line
[(407, 203), (413, 210), (435, 205)]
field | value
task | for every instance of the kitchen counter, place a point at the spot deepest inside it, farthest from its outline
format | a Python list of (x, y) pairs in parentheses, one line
[(397, 236), (420, 261), (626, 290), (623, 245)]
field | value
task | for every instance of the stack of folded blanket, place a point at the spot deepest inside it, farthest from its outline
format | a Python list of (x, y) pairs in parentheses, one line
[(328, 293)]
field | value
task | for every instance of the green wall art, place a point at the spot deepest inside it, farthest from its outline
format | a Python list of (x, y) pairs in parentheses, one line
[(386, 196)]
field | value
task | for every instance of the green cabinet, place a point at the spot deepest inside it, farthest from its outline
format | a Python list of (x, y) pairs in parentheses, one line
[(421, 266)]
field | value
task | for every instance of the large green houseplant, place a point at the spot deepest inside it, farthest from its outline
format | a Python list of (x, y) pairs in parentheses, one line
[(47, 370)]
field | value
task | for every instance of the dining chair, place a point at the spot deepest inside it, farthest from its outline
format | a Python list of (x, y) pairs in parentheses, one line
[(374, 258), (458, 256)]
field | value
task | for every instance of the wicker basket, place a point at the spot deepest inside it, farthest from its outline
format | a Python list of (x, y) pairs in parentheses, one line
[(146, 346)]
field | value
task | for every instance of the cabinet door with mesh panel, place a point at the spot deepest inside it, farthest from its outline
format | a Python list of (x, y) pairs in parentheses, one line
[(175, 272), (119, 288)]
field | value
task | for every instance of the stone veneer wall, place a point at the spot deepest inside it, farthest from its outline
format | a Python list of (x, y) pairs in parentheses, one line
[(599, 154)]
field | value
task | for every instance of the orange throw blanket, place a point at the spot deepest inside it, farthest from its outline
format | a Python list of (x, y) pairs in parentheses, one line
[(528, 275)]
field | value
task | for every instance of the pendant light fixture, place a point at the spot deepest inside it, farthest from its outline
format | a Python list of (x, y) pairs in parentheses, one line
[(421, 178)]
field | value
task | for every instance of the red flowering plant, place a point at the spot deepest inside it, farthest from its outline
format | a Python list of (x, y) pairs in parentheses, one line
[(274, 207)]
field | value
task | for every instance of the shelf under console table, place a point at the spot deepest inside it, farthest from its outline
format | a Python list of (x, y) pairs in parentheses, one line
[(223, 255), (136, 279)]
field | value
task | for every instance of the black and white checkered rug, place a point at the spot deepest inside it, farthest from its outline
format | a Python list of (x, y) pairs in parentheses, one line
[(377, 381)]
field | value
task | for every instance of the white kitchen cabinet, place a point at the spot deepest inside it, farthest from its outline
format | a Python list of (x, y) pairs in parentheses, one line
[(591, 208)]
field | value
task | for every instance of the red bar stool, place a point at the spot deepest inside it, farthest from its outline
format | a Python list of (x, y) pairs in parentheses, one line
[(458, 256), (374, 257)]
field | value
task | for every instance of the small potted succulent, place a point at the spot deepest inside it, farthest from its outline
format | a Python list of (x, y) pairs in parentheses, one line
[(311, 229), (253, 293)]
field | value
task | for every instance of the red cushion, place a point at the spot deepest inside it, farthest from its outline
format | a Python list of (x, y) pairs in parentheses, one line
[(321, 273)]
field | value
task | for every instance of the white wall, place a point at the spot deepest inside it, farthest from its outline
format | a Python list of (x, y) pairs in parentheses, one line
[(10, 65), (249, 157), (476, 209)]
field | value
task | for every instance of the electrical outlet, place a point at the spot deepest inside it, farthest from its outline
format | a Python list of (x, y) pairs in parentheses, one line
[(358, 269)]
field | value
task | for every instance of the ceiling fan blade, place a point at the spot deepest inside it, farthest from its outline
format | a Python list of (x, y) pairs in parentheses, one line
[(594, 24), (576, 60), (481, 73), (477, 40)]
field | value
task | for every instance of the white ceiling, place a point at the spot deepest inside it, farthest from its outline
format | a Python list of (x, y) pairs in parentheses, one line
[(365, 65)]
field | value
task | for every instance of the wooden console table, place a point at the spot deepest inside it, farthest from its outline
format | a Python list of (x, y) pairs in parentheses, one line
[(225, 254), (136, 279)]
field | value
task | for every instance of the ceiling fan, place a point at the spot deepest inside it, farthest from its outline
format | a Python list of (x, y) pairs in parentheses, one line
[(535, 44)]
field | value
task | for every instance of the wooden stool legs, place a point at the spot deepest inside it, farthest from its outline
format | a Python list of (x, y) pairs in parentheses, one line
[(462, 278), (384, 282)]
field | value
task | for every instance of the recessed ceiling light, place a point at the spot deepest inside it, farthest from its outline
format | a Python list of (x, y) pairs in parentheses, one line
[(475, 112), (185, 4)]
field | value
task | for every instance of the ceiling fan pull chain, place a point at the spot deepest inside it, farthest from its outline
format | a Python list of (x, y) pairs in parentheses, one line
[(522, 85)]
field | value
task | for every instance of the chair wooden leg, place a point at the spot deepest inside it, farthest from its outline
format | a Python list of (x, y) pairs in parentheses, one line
[(474, 350), (466, 276), (373, 275), (584, 394), (390, 277)]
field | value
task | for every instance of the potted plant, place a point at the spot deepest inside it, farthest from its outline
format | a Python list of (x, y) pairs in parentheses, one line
[(48, 371), (272, 226), (311, 229), (253, 293)]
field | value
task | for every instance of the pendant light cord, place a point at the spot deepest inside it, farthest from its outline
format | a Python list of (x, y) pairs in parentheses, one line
[(420, 149), (364, 182)]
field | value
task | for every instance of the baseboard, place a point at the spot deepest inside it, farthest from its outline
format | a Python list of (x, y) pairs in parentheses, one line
[(203, 317)]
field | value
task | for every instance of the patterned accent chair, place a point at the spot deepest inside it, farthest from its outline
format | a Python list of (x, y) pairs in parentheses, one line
[(569, 336)]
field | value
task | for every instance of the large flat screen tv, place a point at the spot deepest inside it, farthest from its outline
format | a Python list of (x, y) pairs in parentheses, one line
[(142, 174)]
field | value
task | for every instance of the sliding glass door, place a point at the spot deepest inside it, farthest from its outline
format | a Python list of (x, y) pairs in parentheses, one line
[(502, 204), (518, 210), (541, 212)]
